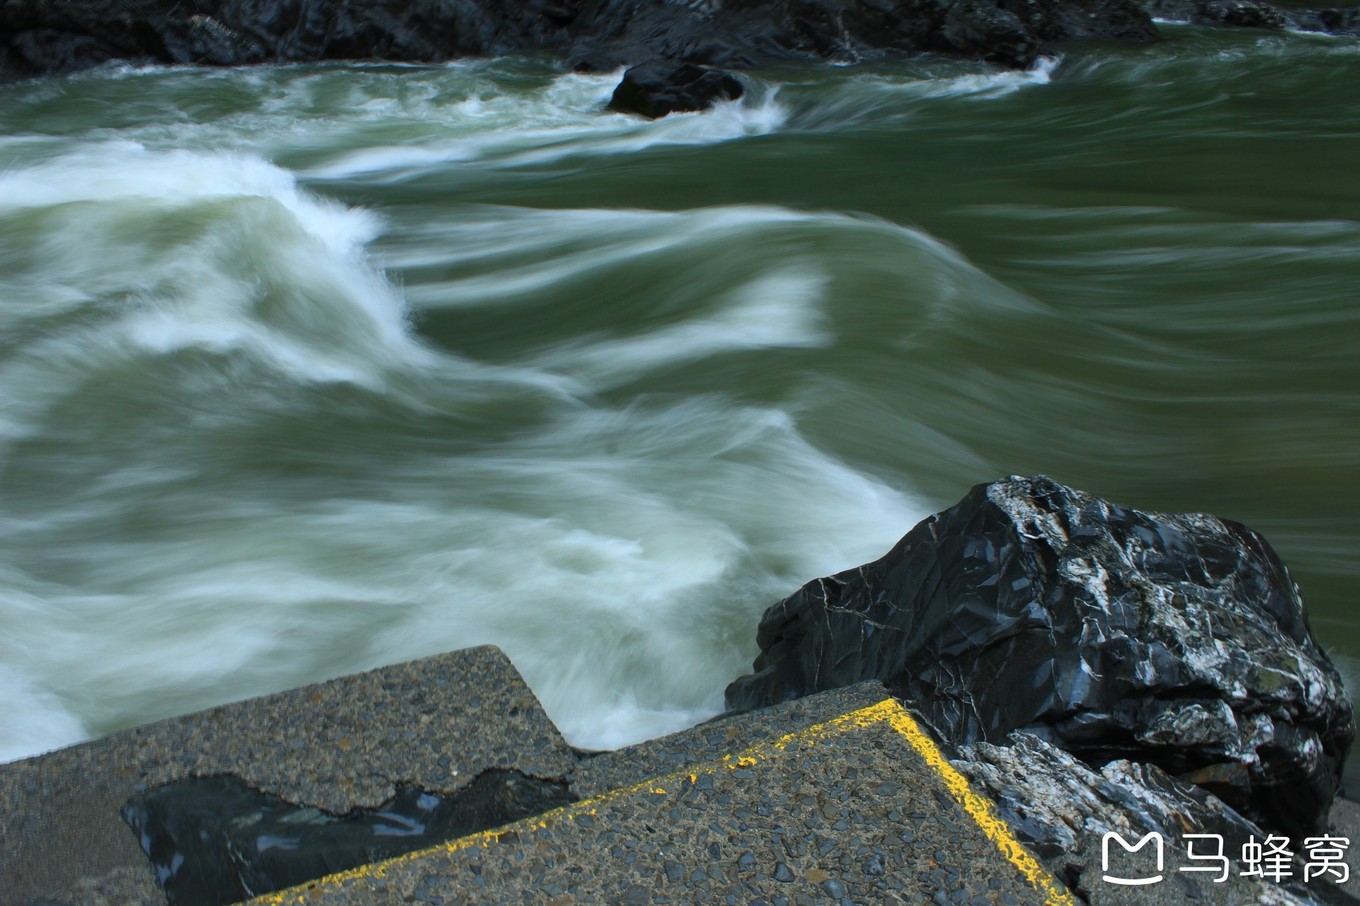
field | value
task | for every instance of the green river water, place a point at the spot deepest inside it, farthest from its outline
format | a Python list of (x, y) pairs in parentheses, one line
[(307, 370)]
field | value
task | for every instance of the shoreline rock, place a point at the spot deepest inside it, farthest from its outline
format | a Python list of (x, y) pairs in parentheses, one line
[(1339, 21), (1178, 641), (41, 37)]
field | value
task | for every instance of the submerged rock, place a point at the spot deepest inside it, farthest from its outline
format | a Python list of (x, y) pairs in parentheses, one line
[(1173, 640), (656, 89)]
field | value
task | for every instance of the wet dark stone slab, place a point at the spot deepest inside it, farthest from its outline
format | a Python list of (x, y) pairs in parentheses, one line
[(1175, 640), (216, 840)]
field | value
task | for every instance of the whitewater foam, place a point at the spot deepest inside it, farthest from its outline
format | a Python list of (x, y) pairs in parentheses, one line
[(32, 719), (127, 171), (168, 251), (567, 118), (612, 437), (989, 85), (777, 309)]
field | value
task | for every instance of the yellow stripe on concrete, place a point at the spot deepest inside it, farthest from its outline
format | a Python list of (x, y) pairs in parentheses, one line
[(979, 809), (889, 712)]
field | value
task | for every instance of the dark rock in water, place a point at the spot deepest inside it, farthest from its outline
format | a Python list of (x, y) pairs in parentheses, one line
[(656, 89), (1175, 640), (1332, 21)]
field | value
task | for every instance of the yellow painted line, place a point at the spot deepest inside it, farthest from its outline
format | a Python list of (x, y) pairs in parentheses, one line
[(889, 712), (978, 808)]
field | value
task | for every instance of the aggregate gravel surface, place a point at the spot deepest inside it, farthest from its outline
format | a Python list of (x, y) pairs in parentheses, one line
[(611, 770), (850, 817), (749, 809)]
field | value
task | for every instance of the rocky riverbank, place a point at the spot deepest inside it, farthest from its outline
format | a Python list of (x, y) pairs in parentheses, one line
[(679, 54), (681, 51), (1091, 670), (43, 37), (1267, 16)]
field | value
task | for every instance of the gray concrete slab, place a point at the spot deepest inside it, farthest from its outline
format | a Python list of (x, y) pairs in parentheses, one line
[(435, 723), (712, 740), (809, 801), (853, 810)]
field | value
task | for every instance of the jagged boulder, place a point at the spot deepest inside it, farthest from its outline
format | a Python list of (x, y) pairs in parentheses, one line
[(1174, 640), (1063, 809)]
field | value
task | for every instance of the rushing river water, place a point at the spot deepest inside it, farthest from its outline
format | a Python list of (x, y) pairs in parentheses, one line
[(307, 370)]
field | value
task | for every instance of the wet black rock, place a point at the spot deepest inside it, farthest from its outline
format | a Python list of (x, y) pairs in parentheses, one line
[(1174, 640), (39, 36), (656, 89), (990, 31), (1064, 809), (1332, 21), (1242, 13), (215, 840)]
